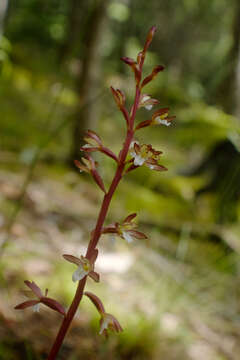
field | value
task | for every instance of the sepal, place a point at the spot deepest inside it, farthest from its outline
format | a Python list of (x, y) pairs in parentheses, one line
[(149, 38), (161, 117), (53, 304), (94, 143), (120, 101), (125, 230), (134, 66), (26, 304), (85, 266), (96, 301), (90, 166), (42, 299), (35, 289), (153, 74)]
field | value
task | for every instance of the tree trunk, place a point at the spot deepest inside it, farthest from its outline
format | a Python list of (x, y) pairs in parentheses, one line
[(227, 92), (76, 16), (223, 161), (3, 12), (88, 82), (237, 76)]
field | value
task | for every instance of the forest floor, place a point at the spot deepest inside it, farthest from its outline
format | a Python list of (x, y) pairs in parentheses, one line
[(170, 308)]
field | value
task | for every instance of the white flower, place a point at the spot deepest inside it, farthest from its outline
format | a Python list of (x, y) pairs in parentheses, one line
[(85, 266), (109, 322), (144, 99), (148, 107), (159, 120), (132, 144), (87, 146), (104, 325), (127, 236), (138, 159), (80, 273), (36, 307)]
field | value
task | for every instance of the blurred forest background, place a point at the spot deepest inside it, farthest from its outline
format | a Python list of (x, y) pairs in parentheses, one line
[(176, 295)]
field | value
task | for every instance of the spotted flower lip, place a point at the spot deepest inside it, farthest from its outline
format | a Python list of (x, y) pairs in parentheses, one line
[(126, 230), (145, 155), (161, 117), (85, 266), (35, 292)]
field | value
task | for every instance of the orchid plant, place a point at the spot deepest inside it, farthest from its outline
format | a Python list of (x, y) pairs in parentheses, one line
[(131, 156)]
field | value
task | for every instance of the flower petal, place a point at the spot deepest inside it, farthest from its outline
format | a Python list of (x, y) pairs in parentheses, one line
[(149, 38), (79, 274), (158, 120), (93, 135), (148, 107), (53, 304), (36, 307), (33, 286), (103, 326), (153, 74), (94, 275), (26, 304), (129, 218), (72, 259), (109, 322), (109, 153), (81, 167), (98, 180), (143, 124), (137, 234), (127, 236), (138, 160), (96, 301)]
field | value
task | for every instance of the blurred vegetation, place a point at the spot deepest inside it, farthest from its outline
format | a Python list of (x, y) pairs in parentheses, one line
[(177, 294)]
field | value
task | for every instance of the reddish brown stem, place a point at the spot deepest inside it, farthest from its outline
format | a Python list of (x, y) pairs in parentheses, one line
[(97, 232)]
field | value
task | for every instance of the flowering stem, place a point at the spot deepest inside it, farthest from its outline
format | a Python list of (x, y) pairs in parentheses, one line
[(97, 231)]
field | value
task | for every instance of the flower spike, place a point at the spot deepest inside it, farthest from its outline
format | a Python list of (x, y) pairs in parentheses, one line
[(140, 155)]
